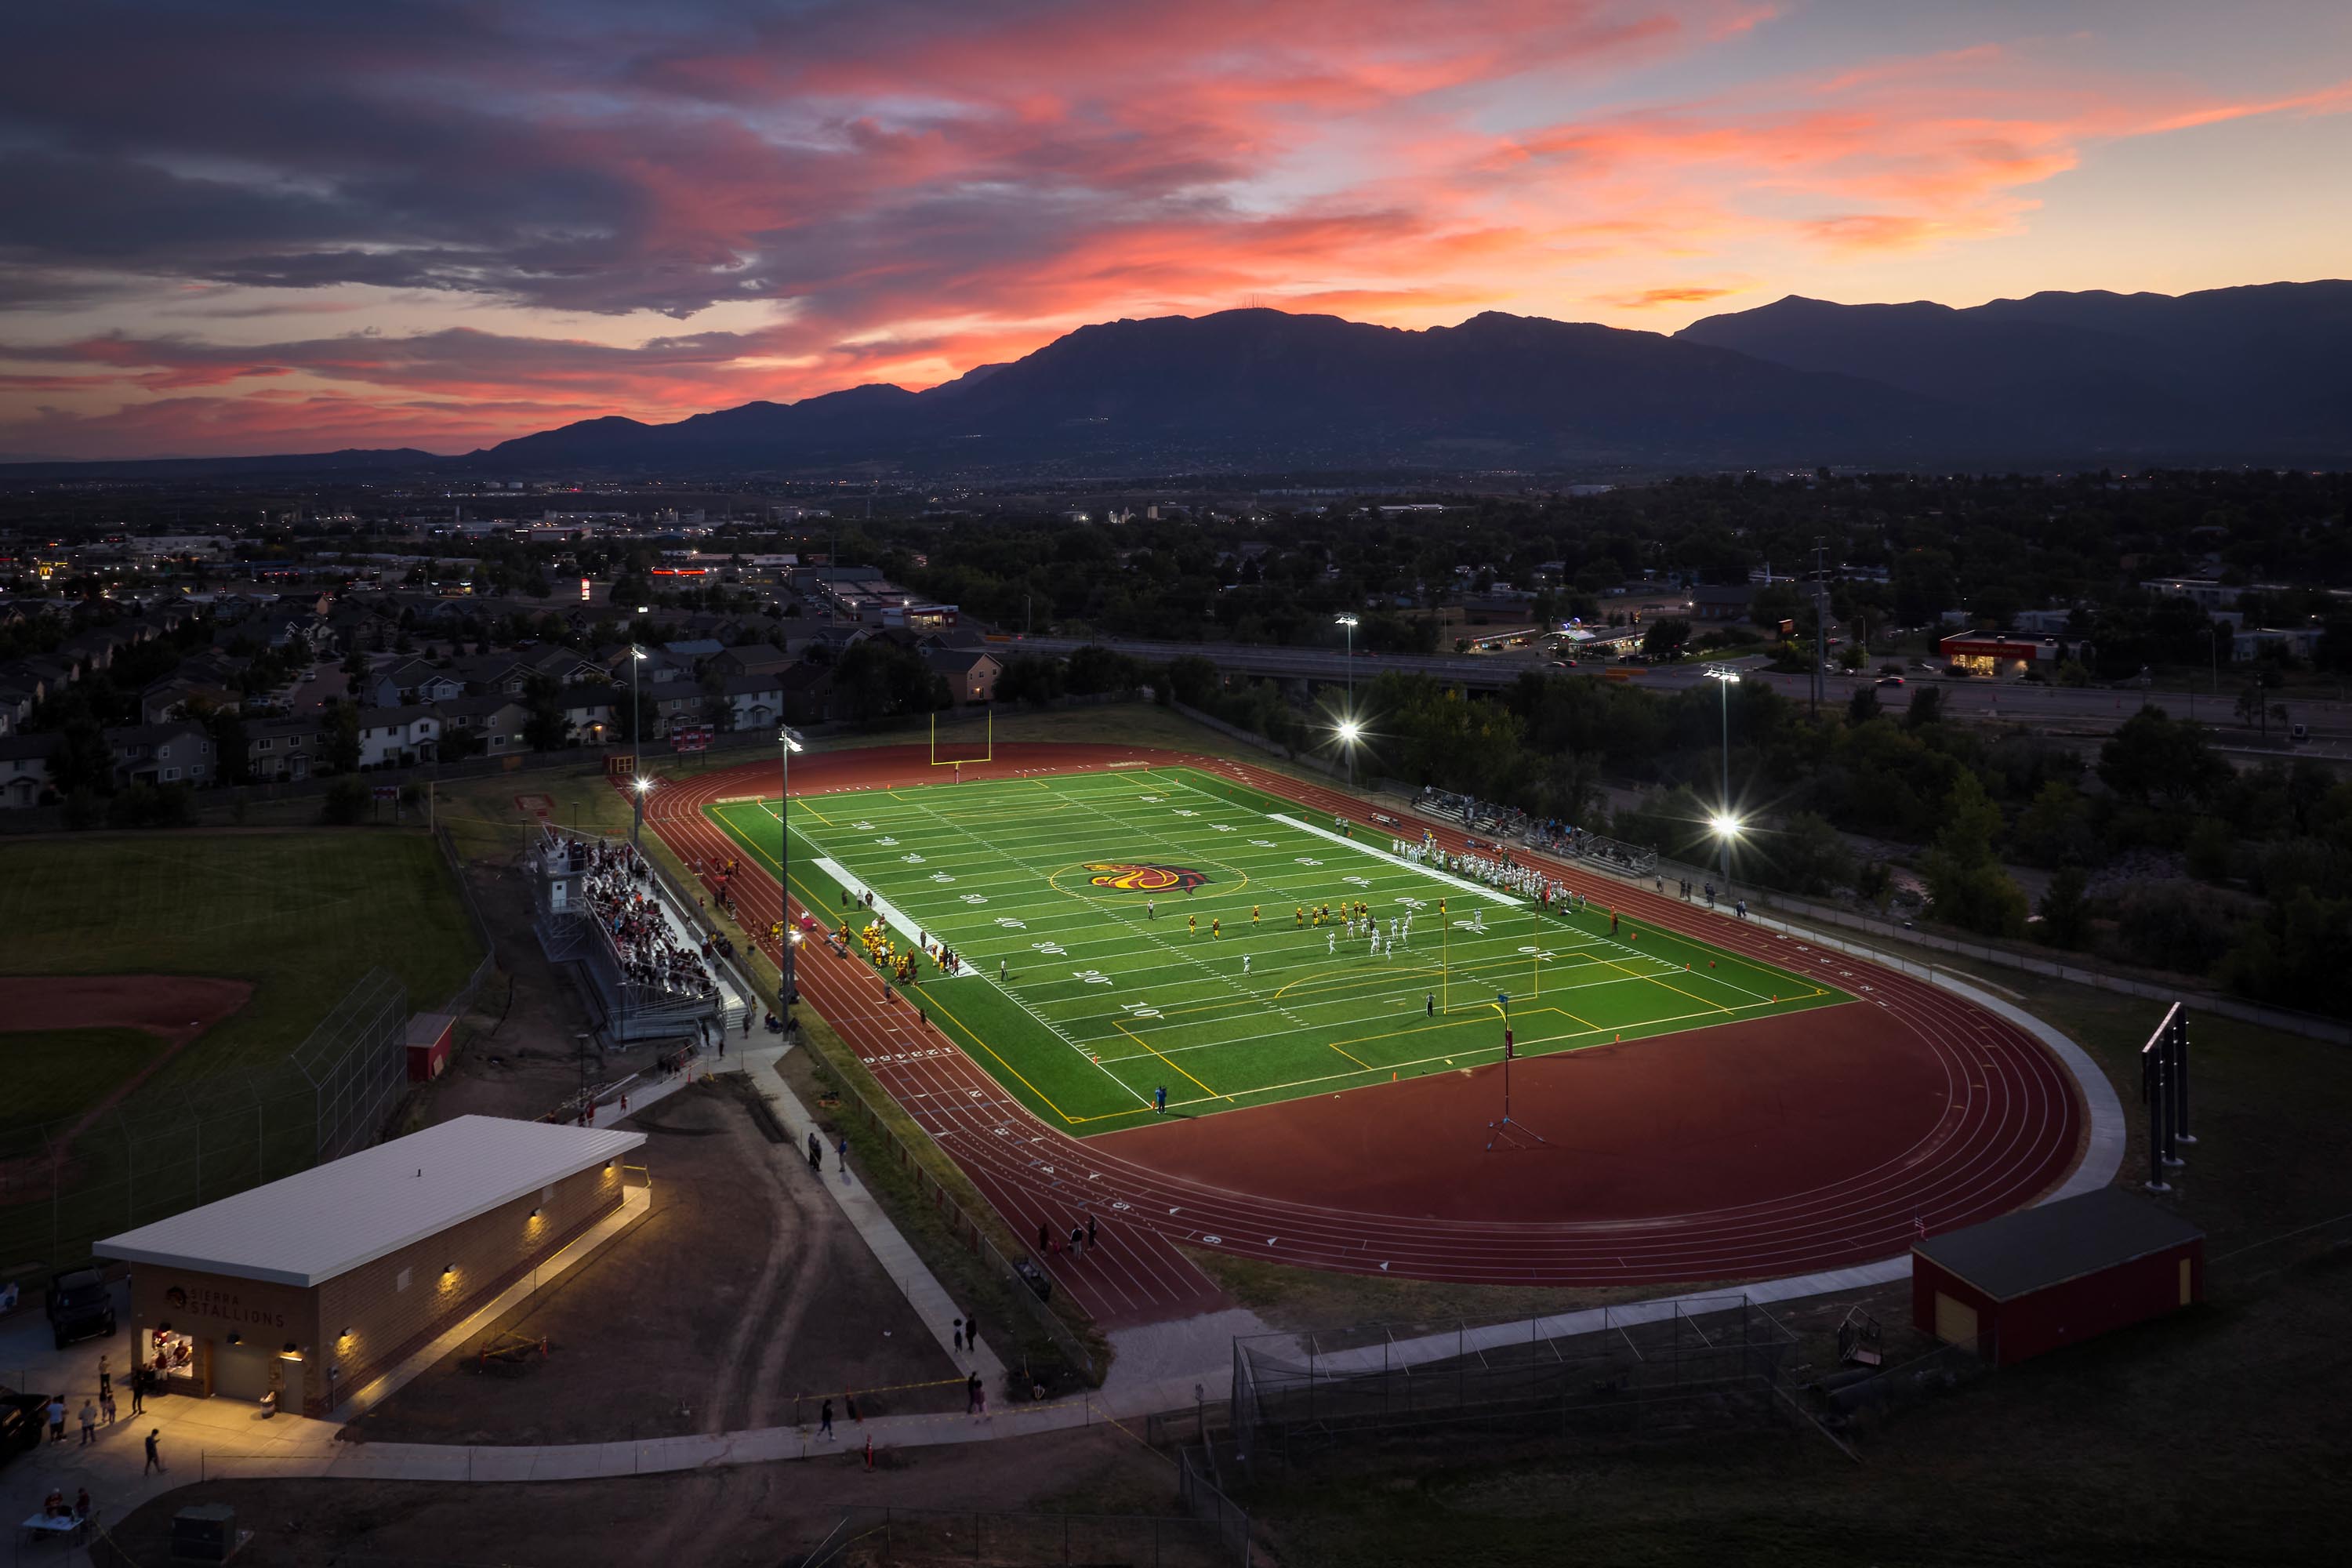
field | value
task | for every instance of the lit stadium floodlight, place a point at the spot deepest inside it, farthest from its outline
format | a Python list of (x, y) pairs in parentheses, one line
[(1727, 826), (1349, 730), (645, 784)]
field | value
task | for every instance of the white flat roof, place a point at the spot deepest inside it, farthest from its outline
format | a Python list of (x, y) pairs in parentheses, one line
[(308, 1228)]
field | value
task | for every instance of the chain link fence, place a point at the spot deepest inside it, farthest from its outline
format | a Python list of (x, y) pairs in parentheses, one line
[(1645, 1369), (65, 1185), (922, 1537)]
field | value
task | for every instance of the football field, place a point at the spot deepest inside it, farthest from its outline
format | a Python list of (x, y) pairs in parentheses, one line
[(1130, 931)]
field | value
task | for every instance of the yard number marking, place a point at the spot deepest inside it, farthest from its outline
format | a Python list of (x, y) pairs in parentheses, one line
[(1009, 923), (975, 897), (1138, 1010), (1053, 949), (1091, 976), (1308, 861)]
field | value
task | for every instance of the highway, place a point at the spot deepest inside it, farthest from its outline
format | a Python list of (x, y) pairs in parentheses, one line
[(2092, 709)]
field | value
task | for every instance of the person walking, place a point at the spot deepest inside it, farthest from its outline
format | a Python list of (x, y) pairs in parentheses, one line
[(1043, 1236), (1077, 1240), (138, 1391), (56, 1412), (106, 1406), (824, 1422), (1091, 1233), (105, 1378), (958, 1335), (843, 1155), (1160, 1101), (89, 1421), (154, 1459), (971, 1394), (971, 1333)]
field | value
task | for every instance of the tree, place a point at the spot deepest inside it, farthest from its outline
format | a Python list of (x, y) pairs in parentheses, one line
[(1863, 706), (2160, 761), (1664, 639), (1192, 680), (342, 737), (1966, 885), (1926, 707), (227, 727), (1030, 678), (548, 727), (1805, 855), (2066, 910)]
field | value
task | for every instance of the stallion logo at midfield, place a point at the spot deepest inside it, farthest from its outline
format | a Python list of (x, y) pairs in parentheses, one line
[(1139, 877)]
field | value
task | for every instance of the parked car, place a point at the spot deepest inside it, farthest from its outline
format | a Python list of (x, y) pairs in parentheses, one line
[(80, 1306), (20, 1422)]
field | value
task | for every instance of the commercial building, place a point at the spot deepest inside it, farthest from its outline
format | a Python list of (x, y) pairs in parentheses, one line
[(2045, 1278), (1995, 653), (304, 1291)]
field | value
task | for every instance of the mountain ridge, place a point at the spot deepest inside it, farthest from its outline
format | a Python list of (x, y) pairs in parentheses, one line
[(2248, 373)]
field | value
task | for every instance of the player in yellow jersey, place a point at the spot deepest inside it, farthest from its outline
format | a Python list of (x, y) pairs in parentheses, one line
[(1191, 925), (1217, 929), (1252, 916), (1299, 917)]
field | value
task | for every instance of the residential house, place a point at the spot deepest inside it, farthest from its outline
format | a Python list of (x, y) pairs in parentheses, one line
[(753, 701), (809, 696), (178, 752), (564, 665), (25, 767), (970, 673), (754, 658), (168, 698), (588, 710), (284, 748), (498, 718), (694, 650), (398, 737), (413, 683), (1721, 601)]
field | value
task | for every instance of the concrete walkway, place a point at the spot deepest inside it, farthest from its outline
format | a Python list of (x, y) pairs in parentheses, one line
[(1161, 1367)]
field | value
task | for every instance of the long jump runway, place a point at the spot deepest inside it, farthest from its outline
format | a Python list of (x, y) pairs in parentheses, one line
[(1748, 1150)]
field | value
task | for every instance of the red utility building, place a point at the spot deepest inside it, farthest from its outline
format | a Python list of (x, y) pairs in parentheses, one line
[(429, 1044), (2048, 1277)]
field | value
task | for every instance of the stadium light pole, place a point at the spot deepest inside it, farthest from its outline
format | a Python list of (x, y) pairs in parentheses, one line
[(636, 742), (1348, 729), (1725, 825), (787, 742)]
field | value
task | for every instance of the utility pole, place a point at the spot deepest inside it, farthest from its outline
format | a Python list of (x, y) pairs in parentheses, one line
[(1821, 621)]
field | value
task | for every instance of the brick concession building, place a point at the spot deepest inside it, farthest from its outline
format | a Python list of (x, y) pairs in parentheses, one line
[(2045, 1277), (311, 1286)]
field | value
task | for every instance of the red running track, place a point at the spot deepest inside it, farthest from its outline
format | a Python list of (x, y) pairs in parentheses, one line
[(1748, 1150)]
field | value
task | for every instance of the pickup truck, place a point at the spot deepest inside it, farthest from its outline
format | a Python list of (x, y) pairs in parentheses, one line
[(80, 1306), (20, 1422)]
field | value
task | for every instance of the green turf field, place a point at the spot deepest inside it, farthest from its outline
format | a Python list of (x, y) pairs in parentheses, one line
[(1114, 988)]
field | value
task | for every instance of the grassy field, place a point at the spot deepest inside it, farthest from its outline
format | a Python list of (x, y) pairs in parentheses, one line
[(1130, 932), (300, 915), (57, 1073)]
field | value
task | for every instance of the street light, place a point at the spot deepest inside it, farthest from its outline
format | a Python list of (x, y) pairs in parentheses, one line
[(787, 742), (1725, 825), (1349, 732)]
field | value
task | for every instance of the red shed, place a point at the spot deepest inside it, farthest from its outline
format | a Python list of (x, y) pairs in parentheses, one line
[(428, 1046), (2042, 1278)]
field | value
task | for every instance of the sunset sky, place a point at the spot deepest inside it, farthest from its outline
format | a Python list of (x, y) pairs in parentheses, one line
[(253, 228)]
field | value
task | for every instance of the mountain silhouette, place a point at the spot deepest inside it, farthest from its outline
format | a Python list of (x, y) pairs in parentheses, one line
[(2055, 380)]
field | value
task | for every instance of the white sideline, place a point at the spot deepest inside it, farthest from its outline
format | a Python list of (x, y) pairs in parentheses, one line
[(888, 911), (1493, 895)]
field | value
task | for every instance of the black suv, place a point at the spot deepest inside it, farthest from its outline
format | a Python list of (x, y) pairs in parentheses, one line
[(20, 1421), (80, 1306)]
